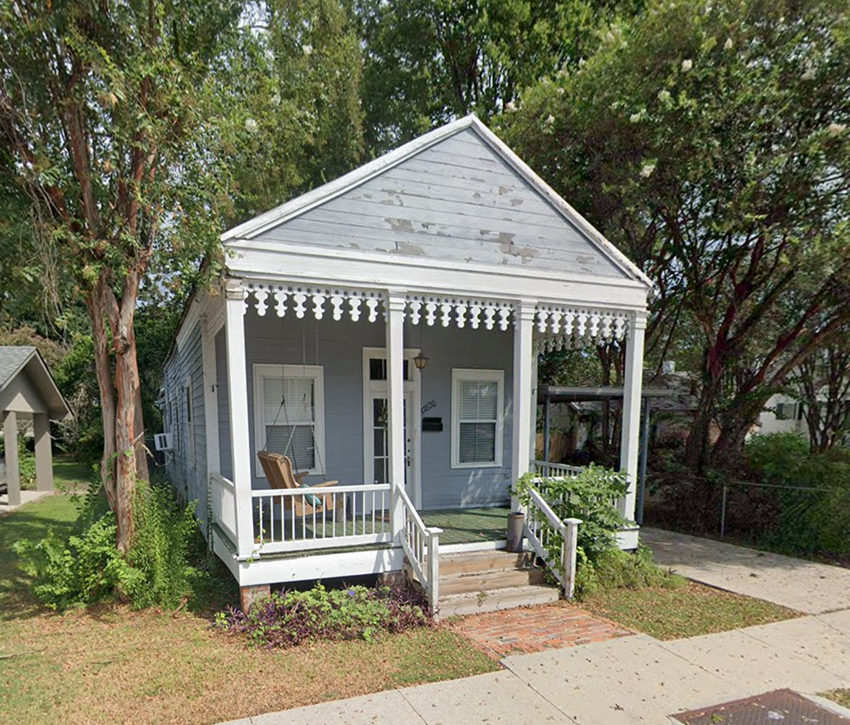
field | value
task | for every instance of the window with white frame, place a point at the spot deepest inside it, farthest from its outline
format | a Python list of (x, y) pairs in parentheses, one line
[(289, 414), (190, 422), (477, 418)]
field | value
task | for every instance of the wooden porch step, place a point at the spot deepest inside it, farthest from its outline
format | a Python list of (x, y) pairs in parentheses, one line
[(481, 561), (485, 581), (456, 605)]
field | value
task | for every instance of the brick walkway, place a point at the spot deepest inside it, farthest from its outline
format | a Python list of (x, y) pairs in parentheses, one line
[(534, 629)]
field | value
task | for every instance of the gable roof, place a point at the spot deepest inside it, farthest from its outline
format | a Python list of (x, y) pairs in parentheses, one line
[(15, 360), (591, 252)]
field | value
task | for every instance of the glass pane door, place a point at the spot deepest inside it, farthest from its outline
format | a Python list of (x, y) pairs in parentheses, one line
[(380, 441)]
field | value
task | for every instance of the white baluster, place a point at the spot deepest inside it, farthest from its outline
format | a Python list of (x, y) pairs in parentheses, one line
[(318, 306), (415, 307), (504, 318), (582, 324), (460, 314), (474, 315), (489, 316), (594, 325), (372, 304), (354, 308), (261, 295), (431, 313), (446, 312), (542, 316), (300, 298), (280, 299), (555, 321), (336, 302)]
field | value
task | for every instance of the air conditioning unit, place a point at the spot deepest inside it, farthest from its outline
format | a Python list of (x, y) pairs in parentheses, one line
[(162, 441)]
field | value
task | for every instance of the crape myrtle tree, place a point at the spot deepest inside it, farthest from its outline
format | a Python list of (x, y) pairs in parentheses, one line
[(135, 131), (709, 140), (102, 105), (822, 385)]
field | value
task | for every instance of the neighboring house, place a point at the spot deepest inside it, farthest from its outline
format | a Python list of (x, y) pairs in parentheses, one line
[(782, 414), (382, 331), (28, 394)]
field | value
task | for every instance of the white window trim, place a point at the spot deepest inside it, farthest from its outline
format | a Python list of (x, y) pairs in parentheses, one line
[(189, 400), (496, 376), (317, 374)]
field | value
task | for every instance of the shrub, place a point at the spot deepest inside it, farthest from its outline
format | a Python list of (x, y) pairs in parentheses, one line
[(289, 618), (590, 496), (87, 568), (84, 569), (812, 516), (616, 569), (160, 552)]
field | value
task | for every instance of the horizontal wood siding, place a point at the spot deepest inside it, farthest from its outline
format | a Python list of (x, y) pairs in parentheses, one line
[(271, 340), (187, 473), (456, 201)]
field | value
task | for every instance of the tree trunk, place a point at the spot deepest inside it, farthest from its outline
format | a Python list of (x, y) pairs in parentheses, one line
[(124, 455), (128, 388), (95, 301), (698, 444)]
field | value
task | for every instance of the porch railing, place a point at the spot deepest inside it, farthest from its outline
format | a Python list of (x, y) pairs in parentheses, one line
[(421, 544), (222, 498), (356, 516), (555, 470), (553, 540)]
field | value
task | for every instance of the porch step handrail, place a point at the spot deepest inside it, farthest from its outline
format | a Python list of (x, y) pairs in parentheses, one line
[(333, 516), (421, 544), (548, 534), (222, 505), (555, 470)]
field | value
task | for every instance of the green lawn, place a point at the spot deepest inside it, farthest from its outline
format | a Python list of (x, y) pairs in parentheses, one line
[(69, 474), (686, 611), (115, 665)]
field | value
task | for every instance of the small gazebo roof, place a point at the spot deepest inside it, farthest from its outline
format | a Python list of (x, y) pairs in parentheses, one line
[(26, 360), (563, 394)]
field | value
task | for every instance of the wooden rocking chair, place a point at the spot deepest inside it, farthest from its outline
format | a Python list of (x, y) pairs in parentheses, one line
[(278, 470)]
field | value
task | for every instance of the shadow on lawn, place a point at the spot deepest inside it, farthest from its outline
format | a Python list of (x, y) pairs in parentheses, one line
[(30, 522)]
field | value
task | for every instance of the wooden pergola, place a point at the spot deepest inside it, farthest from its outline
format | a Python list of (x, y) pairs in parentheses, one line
[(28, 393)]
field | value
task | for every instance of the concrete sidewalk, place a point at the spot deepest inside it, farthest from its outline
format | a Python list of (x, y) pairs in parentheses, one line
[(639, 679), (795, 583), (630, 680)]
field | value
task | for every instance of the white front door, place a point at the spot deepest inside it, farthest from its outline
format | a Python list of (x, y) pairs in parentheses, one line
[(379, 444), (375, 439)]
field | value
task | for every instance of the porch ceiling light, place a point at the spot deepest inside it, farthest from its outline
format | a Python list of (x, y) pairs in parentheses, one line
[(420, 361)]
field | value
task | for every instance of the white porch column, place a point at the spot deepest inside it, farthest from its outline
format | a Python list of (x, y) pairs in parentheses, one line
[(43, 452), (210, 395), (523, 380), (630, 440), (396, 302), (237, 389), (13, 471)]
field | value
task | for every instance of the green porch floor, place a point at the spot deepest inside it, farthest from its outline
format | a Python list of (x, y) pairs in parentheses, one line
[(469, 526)]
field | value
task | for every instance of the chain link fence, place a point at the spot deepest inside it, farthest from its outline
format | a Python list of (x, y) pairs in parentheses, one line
[(788, 519)]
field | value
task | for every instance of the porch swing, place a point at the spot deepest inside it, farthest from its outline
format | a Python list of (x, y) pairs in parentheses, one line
[(278, 467)]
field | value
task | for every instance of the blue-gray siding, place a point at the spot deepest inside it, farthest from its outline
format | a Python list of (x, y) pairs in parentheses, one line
[(188, 476), (270, 340), (456, 201)]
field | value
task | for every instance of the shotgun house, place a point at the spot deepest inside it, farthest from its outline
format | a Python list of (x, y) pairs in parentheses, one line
[(378, 337)]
